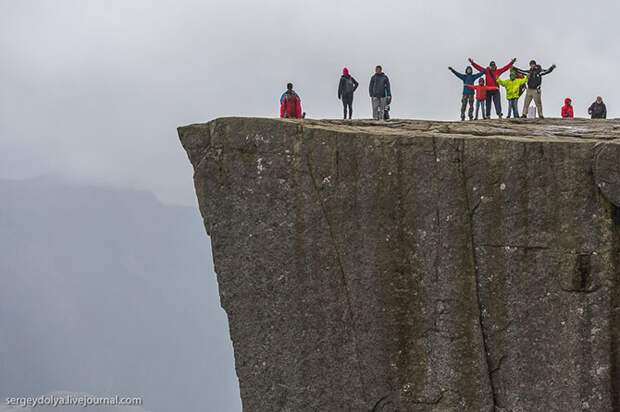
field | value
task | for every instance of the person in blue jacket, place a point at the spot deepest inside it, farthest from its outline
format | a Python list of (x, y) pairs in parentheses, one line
[(468, 94), (289, 86)]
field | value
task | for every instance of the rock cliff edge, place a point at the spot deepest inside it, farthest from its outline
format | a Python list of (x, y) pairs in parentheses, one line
[(416, 265)]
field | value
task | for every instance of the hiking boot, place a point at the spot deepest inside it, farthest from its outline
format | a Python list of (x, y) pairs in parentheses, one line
[(524, 116), (499, 116), (541, 117), (462, 118)]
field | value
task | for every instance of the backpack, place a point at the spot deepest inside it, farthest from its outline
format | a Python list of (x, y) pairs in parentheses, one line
[(348, 87)]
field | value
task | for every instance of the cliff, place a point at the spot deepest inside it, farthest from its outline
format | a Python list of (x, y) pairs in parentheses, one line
[(416, 265)]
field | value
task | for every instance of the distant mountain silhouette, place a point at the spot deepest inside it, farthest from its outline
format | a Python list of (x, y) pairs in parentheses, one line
[(105, 291)]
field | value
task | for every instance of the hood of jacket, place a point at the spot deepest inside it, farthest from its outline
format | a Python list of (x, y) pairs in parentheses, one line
[(567, 101)]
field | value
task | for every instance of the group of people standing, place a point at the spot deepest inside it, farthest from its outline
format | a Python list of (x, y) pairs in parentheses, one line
[(486, 93), (487, 90)]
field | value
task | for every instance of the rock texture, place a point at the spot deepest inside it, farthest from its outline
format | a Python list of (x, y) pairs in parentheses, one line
[(415, 265)]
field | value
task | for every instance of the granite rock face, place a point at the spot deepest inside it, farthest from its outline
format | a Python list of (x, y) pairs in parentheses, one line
[(416, 265)]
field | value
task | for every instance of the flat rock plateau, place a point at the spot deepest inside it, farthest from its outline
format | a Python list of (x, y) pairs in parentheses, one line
[(416, 265)]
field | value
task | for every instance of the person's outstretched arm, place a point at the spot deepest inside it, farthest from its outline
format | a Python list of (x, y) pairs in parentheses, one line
[(479, 74), (549, 70), (457, 74), (471, 86), (476, 65), (506, 67), (520, 71)]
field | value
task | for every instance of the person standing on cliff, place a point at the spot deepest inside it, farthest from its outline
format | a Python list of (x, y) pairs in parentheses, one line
[(512, 86), (380, 93), (346, 87), (535, 74), (481, 95), (492, 73), (468, 94), (598, 110), (567, 109)]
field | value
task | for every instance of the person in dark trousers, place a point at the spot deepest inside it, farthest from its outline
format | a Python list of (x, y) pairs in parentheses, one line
[(290, 106), (567, 109), (492, 73), (598, 110), (289, 87), (347, 86), (534, 83), (468, 94), (380, 93)]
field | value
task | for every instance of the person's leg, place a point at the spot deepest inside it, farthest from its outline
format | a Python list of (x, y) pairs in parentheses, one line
[(470, 99), (463, 106), (509, 108), (515, 108), (488, 103), (498, 104), (538, 102), (344, 106), (381, 109), (375, 108), (528, 100), (483, 103), (478, 108)]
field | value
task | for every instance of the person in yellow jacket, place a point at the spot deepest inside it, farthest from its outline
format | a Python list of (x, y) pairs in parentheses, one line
[(512, 92)]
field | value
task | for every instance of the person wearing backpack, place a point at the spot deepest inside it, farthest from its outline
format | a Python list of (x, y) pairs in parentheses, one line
[(347, 86), (291, 106), (289, 87), (535, 74)]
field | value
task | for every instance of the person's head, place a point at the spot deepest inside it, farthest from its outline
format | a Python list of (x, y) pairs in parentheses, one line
[(289, 86), (469, 70), (599, 99), (492, 65), (513, 75), (345, 71), (532, 64), (481, 81), (568, 101), (378, 69)]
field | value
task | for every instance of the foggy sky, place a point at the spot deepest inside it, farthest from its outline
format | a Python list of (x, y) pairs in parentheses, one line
[(94, 90)]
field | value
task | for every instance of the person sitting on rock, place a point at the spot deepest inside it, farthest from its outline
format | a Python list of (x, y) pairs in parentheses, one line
[(289, 87), (291, 106), (468, 94), (492, 73), (598, 110), (512, 86), (481, 95), (567, 109)]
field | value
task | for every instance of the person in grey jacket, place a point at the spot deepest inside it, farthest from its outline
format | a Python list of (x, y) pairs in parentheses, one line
[(598, 110), (380, 93)]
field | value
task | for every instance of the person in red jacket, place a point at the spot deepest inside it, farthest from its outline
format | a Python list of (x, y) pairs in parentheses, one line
[(492, 73), (291, 106), (481, 95), (567, 109)]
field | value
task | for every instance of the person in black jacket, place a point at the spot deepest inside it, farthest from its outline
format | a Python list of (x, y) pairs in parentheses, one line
[(598, 110), (345, 91), (380, 93), (534, 82)]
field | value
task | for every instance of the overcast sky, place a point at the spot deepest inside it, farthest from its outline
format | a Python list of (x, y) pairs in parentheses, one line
[(95, 89)]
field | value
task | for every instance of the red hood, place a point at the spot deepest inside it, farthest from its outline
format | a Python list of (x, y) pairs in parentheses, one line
[(567, 101)]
